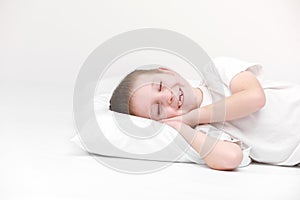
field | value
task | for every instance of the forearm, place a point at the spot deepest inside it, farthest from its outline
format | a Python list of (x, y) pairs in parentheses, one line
[(236, 106), (217, 154)]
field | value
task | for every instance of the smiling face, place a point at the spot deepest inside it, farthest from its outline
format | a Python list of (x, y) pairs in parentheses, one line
[(163, 95)]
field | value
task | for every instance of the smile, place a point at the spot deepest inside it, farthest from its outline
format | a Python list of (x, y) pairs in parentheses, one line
[(181, 98)]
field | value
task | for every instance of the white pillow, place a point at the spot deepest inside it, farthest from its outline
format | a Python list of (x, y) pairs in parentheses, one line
[(109, 123)]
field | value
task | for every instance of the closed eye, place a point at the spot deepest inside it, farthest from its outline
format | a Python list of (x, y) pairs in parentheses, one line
[(160, 85), (158, 109)]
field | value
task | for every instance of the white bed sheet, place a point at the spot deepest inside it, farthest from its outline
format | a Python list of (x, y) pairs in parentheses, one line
[(38, 160)]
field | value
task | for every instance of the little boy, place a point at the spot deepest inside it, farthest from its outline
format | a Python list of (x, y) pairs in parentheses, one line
[(250, 105)]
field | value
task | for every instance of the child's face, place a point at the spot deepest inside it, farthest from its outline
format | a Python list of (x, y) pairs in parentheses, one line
[(162, 95)]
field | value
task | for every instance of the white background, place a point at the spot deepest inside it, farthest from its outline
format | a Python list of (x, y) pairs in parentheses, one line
[(42, 47)]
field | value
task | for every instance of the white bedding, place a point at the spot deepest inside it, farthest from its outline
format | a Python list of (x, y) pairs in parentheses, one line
[(38, 161)]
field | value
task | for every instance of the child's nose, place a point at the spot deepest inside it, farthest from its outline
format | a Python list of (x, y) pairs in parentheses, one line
[(167, 96)]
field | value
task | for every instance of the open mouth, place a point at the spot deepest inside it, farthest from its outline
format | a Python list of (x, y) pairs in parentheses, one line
[(181, 98)]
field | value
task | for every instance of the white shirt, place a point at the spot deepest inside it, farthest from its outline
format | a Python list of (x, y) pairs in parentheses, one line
[(270, 135)]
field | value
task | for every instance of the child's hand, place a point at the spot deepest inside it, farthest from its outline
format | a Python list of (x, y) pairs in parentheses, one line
[(187, 132), (175, 124), (191, 118)]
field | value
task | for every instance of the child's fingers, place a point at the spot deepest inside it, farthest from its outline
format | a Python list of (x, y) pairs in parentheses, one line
[(175, 124), (177, 118)]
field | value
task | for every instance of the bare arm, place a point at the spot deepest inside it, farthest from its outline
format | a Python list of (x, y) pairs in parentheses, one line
[(247, 97), (217, 154)]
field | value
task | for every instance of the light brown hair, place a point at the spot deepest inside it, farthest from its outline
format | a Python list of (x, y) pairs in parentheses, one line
[(120, 99)]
